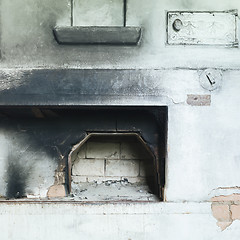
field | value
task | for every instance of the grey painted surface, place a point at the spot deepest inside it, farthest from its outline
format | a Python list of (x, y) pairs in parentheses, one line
[(98, 13), (27, 38), (83, 87), (98, 35)]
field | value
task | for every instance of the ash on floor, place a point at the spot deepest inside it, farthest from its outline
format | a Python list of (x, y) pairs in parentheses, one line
[(112, 190)]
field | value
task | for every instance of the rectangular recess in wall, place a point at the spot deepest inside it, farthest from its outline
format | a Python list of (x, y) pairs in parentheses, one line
[(98, 13), (202, 28)]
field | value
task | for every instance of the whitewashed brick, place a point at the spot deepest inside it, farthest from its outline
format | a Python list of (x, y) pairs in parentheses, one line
[(78, 179), (102, 179), (103, 150), (88, 167), (122, 168), (133, 150)]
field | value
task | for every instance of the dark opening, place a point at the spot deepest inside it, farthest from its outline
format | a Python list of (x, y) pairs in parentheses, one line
[(55, 130)]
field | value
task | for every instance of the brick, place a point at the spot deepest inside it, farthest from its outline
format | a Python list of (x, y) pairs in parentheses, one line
[(102, 179), (103, 150), (86, 167), (146, 168), (56, 191), (235, 209), (228, 198), (221, 212), (123, 168), (78, 179), (223, 225), (133, 150), (105, 12)]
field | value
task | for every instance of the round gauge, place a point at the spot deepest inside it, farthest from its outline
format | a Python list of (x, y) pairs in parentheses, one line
[(211, 79)]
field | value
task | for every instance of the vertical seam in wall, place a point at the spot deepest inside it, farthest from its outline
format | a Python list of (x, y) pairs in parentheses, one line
[(72, 12), (124, 12)]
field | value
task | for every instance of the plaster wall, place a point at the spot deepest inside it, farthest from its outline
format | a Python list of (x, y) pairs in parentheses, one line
[(203, 141), (110, 221), (27, 39), (207, 139)]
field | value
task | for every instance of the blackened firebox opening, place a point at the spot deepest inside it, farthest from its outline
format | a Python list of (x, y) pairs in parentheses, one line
[(55, 130)]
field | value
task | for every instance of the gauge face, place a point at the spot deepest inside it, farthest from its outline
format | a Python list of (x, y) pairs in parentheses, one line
[(211, 79)]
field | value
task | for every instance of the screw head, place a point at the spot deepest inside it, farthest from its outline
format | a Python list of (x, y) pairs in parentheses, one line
[(177, 25)]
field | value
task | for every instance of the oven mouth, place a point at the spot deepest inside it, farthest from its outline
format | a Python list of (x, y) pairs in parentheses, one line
[(41, 142)]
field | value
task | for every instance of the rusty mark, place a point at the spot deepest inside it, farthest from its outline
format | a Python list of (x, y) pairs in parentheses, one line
[(199, 100)]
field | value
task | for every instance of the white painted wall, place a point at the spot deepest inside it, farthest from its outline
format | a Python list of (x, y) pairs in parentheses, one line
[(111, 221), (203, 142)]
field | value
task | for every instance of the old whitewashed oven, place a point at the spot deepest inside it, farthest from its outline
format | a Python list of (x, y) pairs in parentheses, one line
[(119, 119)]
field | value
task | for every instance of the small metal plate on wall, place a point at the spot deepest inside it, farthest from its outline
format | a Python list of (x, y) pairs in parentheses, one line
[(202, 28)]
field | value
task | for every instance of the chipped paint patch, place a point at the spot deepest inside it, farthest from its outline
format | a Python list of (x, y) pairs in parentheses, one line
[(226, 208), (199, 100)]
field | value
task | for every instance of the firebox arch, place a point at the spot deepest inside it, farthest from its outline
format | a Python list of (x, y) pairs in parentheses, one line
[(76, 148)]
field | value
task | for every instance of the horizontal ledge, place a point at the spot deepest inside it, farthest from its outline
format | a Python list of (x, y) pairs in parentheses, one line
[(97, 35), (103, 208)]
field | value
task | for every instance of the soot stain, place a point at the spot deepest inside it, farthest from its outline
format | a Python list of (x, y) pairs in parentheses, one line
[(16, 179), (56, 136)]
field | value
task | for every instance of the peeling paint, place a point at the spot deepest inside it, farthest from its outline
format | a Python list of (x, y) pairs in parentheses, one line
[(226, 208), (199, 100)]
